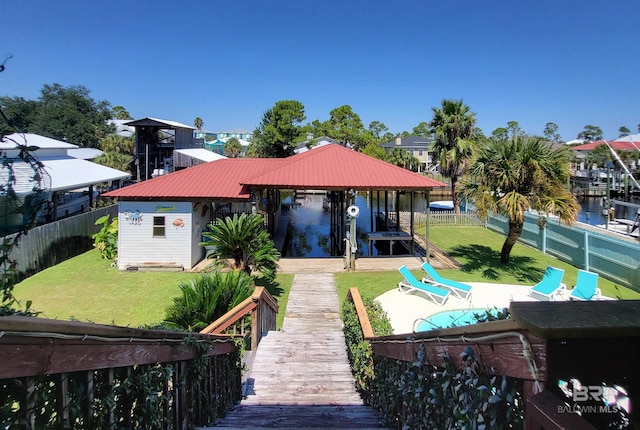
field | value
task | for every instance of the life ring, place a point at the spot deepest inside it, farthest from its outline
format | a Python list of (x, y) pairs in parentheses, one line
[(353, 211)]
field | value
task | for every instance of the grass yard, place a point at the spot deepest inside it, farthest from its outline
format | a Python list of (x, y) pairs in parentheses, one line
[(478, 249), (87, 288)]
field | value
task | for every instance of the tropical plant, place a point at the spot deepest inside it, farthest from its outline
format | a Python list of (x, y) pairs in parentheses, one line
[(198, 123), (232, 148), (512, 176), (106, 240), (453, 125), (207, 298), (402, 158), (244, 240)]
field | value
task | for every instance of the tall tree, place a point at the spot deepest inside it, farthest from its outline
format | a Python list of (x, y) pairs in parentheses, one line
[(500, 133), (198, 123), (551, 132), (20, 112), (623, 131), (590, 133), (279, 131), (232, 148), (423, 130), (345, 126), (119, 112), (514, 129), (510, 177), (377, 129), (71, 114), (453, 124)]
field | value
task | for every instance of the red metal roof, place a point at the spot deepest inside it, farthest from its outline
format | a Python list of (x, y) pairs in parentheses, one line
[(220, 179), (325, 168), (336, 167), (617, 145)]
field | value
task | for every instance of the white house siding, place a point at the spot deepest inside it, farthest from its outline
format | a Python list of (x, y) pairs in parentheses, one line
[(137, 247)]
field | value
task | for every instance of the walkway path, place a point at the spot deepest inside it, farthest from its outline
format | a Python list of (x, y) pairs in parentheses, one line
[(300, 375)]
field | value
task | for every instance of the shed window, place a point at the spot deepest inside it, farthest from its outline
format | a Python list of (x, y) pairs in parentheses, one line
[(158, 226)]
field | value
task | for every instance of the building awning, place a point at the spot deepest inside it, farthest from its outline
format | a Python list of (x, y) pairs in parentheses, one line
[(72, 173)]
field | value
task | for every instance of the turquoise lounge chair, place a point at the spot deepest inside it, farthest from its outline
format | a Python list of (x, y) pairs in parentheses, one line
[(550, 285), (586, 287), (457, 288), (411, 283)]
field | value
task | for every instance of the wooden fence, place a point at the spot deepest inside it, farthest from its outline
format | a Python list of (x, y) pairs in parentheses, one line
[(72, 375), (52, 243), (261, 307)]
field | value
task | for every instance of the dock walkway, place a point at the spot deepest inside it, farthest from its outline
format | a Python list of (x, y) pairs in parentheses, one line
[(300, 375)]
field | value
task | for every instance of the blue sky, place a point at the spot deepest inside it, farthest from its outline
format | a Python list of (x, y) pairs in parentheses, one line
[(572, 62)]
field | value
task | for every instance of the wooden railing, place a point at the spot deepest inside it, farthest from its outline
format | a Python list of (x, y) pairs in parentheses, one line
[(261, 307), (541, 344), (63, 374)]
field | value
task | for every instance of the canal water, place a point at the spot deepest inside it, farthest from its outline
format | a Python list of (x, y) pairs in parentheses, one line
[(309, 227)]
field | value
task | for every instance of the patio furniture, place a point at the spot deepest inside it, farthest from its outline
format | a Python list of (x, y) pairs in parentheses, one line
[(550, 285), (458, 289), (586, 287), (411, 283)]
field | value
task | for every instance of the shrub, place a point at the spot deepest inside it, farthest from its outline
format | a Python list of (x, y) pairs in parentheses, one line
[(207, 298), (106, 240), (359, 350)]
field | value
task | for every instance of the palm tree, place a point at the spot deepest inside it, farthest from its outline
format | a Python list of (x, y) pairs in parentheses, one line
[(232, 148), (453, 125), (512, 176), (198, 123), (207, 298), (244, 240)]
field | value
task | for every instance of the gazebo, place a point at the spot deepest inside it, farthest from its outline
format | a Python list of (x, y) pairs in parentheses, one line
[(254, 184)]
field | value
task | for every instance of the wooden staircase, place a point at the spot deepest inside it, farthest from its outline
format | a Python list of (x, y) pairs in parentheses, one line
[(300, 376)]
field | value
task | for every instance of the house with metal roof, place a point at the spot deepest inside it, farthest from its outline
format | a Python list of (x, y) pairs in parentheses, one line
[(418, 146), (161, 220), (72, 177)]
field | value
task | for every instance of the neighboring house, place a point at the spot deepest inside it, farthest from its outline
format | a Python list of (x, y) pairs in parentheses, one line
[(418, 146), (238, 134), (156, 139), (73, 177), (316, 143), (161, 220), (206, 136), (122, 129)]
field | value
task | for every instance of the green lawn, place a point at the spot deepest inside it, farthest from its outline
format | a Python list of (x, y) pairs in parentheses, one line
[(478, 249), (87, 288)]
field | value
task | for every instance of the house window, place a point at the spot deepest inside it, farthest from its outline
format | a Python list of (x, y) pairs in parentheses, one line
[(158, 226), (420, 153)]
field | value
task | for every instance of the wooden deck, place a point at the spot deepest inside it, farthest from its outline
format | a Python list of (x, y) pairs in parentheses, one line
[(300, 375)]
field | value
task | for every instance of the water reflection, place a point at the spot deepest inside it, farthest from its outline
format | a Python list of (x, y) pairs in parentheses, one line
[(309, 228)]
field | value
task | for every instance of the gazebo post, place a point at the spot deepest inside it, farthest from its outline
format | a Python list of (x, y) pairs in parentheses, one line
[(411, 223), (427, 212)]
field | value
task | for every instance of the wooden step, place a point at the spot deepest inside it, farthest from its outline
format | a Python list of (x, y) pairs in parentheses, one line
[(300, 376)]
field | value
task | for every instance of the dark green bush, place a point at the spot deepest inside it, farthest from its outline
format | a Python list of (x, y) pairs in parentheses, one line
[(358, 349)]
